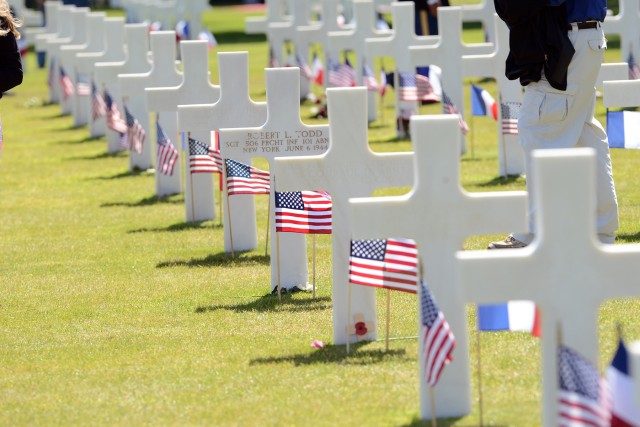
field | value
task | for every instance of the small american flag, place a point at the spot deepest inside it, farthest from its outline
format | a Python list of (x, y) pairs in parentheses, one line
[(509, 115), (634, 69), (135, 132), (584, 398), (438, 341), (391, 263), (245, 179), (425, 90), (98, 105), (65, 84), (305, 70), (408, 89), (114, 117), (449, 108), (167, 153), (341, 75), (307, 212), (204, 158), (370, 81), (383, 81), (83, 87)]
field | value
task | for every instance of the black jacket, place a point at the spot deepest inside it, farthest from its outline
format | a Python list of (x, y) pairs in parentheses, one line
[(538, 39), (10, 62)]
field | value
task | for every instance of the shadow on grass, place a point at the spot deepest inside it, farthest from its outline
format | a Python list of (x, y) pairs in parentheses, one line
[(446, 422), (147, 201), (221, 259), (628, 238), (336, 354), (181, 226), (234, 37), (127, 174), (500, 180), (270, 302), (101, 156)]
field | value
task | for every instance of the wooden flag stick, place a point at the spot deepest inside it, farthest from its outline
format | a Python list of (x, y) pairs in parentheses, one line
[(479, 367), (388, 316), (266, 245), (314, 267), (226, 192), (432, 400), (278, 255)]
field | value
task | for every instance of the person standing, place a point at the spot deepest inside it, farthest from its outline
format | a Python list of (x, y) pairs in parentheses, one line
[(556, 51), (426, 16), (10, 61)]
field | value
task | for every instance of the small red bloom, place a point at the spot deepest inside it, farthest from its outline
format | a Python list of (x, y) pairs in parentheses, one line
[(361, 328)]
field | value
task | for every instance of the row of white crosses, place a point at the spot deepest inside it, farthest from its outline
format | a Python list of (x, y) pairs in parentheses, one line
[(168, 13), (625, 24)]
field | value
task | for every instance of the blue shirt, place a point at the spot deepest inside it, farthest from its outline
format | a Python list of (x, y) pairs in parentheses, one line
[(583, 10)]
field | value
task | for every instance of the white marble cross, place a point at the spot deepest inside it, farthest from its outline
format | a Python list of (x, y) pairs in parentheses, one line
[(621, 93), (280, 33), (484, 13), (191, 12), (612, 71), (438, 214), (356, 39), (79, 18), (510, 154), (348, 169), (137, 61), (80, 102), (566, 271), (62, 36), (259, 25), (234, 109), (447, 54), (195, 88), (113, 51), (625, 23), (282, 135), (163, 73), (51, 28)]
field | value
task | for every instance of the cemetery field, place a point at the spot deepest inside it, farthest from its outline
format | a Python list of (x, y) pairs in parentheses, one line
[(114, 311)]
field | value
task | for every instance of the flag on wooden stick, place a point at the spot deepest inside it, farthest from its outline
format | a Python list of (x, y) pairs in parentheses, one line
[(167, 154), (245, 179), (204, 158), (307, 212)]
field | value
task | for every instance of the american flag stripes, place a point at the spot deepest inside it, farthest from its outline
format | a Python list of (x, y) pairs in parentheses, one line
[(305, 70), (408, 89), (245, 179), (390, 263), (509, 116), (135, 132), (83, 87), (65, 84), (167, 155), (114, 117), (584, 398), (307, 212), (383, 81), (341, 75), (438, 341), (98, 105), (204, 158), (370, 81), (425, 90), (634, 69), (449, 108)]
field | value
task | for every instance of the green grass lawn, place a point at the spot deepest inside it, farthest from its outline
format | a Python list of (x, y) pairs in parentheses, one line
[(113, 311)]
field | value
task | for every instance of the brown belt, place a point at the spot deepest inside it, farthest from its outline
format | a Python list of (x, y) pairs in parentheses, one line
[(583, 25)]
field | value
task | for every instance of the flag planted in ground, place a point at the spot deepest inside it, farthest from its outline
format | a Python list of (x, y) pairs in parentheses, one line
[(66, 84), (204, 158), (584, 398), (305, 70), (438, 341), (482, 103), (245, 179), (98, 104), (341, 75), (307, 212), (625, 412), (390, 263), (510, 316), (370, 81), (115, 122), (448, 107), (623, 129), (167, 154), (135, 132), (510, 111)]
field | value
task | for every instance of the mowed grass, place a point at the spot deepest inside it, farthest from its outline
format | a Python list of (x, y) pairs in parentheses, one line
[(113, 311)]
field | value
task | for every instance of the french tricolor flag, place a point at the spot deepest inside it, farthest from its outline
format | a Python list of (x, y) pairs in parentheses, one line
[(623, 129), (482, 103), (510, 316), (625, 411)]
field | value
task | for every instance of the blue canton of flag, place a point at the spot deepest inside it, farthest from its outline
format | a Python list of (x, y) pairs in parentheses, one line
[(245, 179), (584, 397)]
